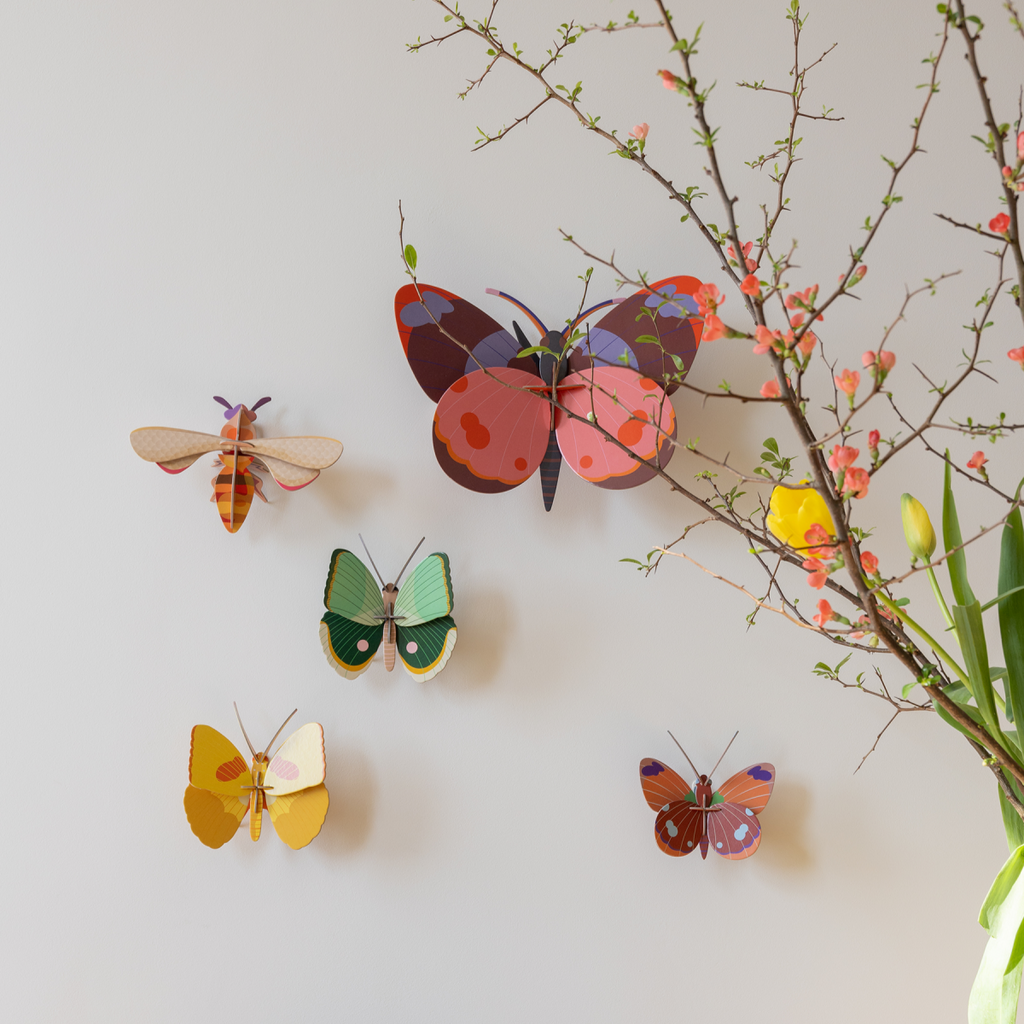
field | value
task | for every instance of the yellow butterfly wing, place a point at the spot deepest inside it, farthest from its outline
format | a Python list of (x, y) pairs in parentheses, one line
[(215, 802), (298, 817), (214, 817), (296, 796)]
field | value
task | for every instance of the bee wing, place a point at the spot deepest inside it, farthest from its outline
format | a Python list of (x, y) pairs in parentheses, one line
[(174, 449), (307, 452), (287, 474)]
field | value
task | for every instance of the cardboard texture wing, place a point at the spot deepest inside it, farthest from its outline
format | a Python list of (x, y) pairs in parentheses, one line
[(293, 462), (288, 785), (415, 622), (724, 819), (495, 424)]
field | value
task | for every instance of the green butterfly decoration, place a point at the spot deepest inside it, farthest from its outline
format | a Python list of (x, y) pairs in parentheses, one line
[(414, 622)]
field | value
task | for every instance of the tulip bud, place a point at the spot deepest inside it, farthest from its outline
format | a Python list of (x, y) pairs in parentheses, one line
[(917, 528)]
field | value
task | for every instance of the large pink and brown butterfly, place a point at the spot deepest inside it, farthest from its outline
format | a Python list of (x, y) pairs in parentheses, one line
[(724, 819), (495, 424)]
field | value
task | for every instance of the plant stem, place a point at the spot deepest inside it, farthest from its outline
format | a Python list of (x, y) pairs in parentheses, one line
[(938, 596), (928, 639)]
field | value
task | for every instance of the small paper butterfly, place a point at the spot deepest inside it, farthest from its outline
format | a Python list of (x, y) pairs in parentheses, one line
[(287, 785), (414, 622), (724, 819), (495, 425)]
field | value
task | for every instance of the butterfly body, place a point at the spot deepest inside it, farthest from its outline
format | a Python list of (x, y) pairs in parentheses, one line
[(724, 820), (412, 622), (294, 462), (288, 786), (502, 415)]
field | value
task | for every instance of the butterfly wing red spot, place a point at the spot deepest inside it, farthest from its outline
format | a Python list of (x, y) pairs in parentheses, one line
[(231, 769), (477, 435), (632, 430)]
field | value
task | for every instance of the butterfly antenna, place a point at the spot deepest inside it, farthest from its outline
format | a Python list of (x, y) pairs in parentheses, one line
[(223, 401), (266, 749), (724, 752), (262, 401), (244, 733), (370, 557), (409, 559), (685, 754)]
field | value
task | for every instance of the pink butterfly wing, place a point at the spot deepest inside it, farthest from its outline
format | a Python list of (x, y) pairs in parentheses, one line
[(489, 433), (733, 830), (751, 787), (627, 406)]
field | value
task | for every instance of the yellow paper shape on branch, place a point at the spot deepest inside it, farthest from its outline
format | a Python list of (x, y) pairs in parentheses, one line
[(794, 512)]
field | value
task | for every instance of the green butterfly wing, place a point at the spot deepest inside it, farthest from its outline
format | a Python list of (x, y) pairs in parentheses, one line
[(425, 649), (427, 593), (349, 646), (351, 591)]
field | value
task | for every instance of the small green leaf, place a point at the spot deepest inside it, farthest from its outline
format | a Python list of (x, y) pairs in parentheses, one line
[(410, 257)]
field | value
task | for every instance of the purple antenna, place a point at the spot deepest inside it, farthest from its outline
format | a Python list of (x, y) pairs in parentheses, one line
[(223, 401), (262, 401)]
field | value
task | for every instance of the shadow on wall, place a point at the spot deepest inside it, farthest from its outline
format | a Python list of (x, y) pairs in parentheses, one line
[(353, 791), (485, 620), (784, 845), (349, 488)]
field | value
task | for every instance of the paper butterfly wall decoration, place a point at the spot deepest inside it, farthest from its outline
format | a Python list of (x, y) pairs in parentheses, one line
[(490, 437), (724, 819), (414, 622), (288, 785), (293, 462)]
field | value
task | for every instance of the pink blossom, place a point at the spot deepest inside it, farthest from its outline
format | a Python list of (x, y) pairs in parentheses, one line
[(858, 633), (813, 565), (842, 457), (640, 131), (976, 461), (858, 274), (825, 613), (1007, 172), (669, 80), (713, 328), (766, 340), (802, 300), (817, 538), (1017, 355), (869, 562), (770, 389), (886, 359), (747, 246), (1000, 224), (855, 482), (874, 437), (751, 285), (1020, 146), (848, 381), (817, 579), (807, 342), (709, 298)]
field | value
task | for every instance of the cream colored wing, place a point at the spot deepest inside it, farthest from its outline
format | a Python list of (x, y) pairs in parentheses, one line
[(299, 763), (167, 445), (288, 475), (308, 452)]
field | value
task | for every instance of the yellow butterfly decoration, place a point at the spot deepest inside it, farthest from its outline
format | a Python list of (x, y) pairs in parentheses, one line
[(288, 785)]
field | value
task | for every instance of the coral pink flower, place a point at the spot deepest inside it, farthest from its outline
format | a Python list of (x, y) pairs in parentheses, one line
[(858, 633), (976, 461), (1000, 224), (807, 342), (886, 359), (869, 562), (817, 537), (747, 246), (766, 340), (709, 298), (873, 438), (1007, 172), (817, 579), (825, 613), (848, 381), (751, 285), (640, 131), (858, 274), (713, 328), (1017, 355), (770, 389), (1020, 146), (813, 565), (855, 482), (802, 300), (842, 457), (669, 80)]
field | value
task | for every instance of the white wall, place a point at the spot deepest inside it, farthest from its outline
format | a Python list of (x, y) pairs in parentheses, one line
[(201, 199)]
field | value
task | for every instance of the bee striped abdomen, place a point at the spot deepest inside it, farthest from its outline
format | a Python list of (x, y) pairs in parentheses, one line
[(234, 490)]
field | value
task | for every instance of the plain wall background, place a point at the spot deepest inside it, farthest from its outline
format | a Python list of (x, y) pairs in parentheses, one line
[(201, 199)]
